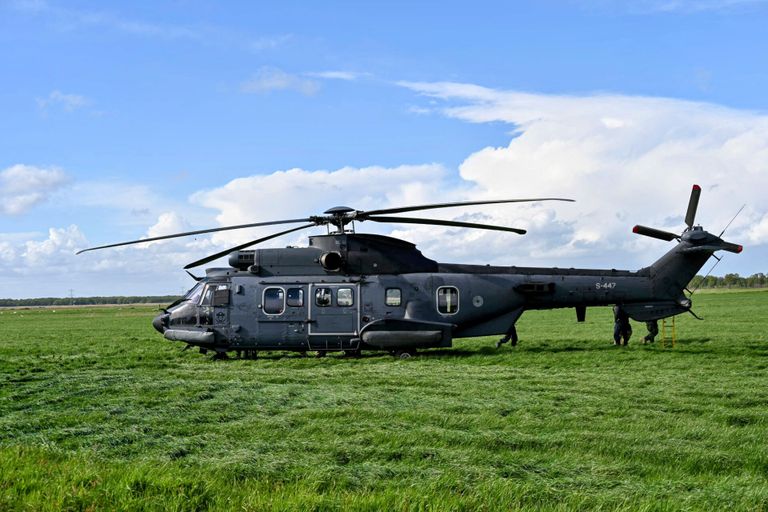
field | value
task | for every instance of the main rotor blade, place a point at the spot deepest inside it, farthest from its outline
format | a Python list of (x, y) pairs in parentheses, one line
[(198, 232), (218, 255), (451, 205), (693, 204), (655, 233), (436, 222)]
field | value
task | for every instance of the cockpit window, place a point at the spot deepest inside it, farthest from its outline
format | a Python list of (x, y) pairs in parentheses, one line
[(207, 296), (194, 294)]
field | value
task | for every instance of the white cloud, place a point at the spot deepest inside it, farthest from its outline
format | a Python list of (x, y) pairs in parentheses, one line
[(625, 159), (693, 6), (59, 247), (67, 102), (7, 252), (298, 193), (24, 186), (168, 223), (269, 42), (268, 79), (338, 75)]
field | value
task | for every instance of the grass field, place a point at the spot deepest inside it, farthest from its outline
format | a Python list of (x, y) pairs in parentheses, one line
[(97, 411)]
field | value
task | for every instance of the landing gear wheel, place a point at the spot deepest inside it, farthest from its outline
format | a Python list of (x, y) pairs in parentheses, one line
[(220, 356), (353, 353), (499, 343), (320, 353), (404, 354)]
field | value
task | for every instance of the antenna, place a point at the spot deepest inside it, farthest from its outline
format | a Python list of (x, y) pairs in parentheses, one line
[(733, 219)]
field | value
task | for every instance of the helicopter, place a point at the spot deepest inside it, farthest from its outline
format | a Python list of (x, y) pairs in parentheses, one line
[(348, 291)]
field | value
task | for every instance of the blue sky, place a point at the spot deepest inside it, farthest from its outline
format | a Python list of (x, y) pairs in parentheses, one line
[(126, 119)]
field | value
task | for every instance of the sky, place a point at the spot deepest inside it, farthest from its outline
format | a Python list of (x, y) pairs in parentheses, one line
[(126, 120)]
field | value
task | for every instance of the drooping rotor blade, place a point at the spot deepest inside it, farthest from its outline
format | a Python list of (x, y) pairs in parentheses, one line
[(218, 255), (437, 222), (693, 204), (655, 233), (198, 232), (404, 209)]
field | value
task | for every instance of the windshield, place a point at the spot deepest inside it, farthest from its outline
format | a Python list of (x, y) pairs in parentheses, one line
[(193, 295)]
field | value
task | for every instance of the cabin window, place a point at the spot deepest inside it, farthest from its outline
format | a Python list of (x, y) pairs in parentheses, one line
[(274, 301), (447, 300), (323, 297), (345, 297), (221, 295), (393, 297), (295, 297)]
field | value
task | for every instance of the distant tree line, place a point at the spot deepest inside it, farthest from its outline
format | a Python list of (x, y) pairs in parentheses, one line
[(758, 280), (88, 301)]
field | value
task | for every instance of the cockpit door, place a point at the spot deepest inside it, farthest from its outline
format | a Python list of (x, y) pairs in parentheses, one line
[(334, 313), (214, 307)]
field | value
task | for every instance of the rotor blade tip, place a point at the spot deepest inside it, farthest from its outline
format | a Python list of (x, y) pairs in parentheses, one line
[(696, 187), (636, 229), (739, 249)]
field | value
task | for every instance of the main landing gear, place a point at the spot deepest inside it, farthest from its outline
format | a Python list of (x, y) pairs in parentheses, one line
[(403, 353), (509, 336)]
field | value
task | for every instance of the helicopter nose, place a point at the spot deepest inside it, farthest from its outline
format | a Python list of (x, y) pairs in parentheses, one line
[(160, 322)]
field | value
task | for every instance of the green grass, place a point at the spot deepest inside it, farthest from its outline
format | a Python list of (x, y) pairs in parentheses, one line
[(97, 411)]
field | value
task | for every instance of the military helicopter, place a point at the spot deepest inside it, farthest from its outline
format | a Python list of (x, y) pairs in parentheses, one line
[(350, 291)]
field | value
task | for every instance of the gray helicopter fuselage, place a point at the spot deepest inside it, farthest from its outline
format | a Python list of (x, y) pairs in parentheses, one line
[(351, 292)]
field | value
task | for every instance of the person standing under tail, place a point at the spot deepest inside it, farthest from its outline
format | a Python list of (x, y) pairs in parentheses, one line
[(622, 330)]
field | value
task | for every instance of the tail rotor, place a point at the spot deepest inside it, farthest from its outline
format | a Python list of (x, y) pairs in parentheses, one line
[(697, 240)]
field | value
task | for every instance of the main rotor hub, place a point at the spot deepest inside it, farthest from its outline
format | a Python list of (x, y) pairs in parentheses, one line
[(339, 217)]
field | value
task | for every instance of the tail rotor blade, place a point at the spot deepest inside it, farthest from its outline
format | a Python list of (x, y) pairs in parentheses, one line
[(693, 204), (655, 233)]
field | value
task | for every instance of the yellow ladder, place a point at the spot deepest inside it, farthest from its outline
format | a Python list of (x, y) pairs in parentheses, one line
[(673, 333)]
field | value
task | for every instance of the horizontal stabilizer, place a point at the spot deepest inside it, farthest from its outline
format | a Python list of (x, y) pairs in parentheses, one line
[(722, 246)]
